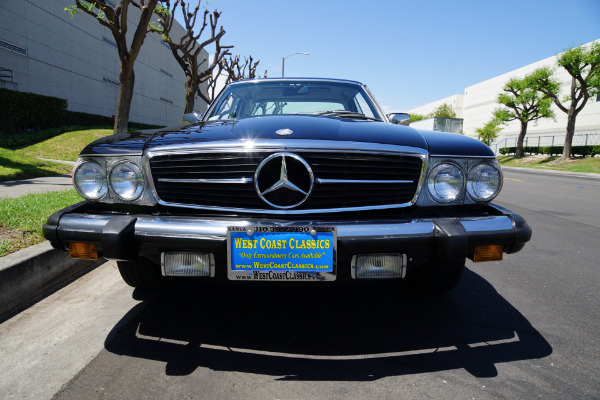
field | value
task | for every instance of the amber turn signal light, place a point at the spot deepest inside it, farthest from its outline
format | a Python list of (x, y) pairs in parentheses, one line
[(84, 251), (491, 252)]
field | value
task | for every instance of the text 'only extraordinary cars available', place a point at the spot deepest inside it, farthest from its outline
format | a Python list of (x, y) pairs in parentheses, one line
[(300, 180)]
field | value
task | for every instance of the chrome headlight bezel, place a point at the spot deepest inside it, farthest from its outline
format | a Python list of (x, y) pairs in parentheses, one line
[(143, 194), (452, 180), (468, 167), (474, 178), (99, 181), (137, 183)]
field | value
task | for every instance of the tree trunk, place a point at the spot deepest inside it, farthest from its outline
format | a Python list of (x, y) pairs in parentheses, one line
[(189, 102), (522, 134), (571, 116), (126, 80), (190, 95)]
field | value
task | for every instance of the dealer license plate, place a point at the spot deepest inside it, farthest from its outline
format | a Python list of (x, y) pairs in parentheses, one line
[(281, 253)]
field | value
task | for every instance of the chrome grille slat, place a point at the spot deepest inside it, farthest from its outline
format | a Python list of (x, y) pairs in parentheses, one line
[(209, 178)]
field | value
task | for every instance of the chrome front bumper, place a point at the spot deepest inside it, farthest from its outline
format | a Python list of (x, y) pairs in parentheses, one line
[(125, 237)]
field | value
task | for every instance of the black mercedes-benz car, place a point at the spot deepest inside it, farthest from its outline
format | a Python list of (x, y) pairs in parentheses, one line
[(301, 180)]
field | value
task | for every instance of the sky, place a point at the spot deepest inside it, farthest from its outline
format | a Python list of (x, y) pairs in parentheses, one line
[(408, 53)]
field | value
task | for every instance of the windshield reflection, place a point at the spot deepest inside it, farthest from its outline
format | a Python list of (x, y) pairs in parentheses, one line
[(264, 97)]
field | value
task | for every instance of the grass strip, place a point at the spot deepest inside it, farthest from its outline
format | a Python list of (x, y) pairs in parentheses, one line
[(23, 163), (66, 146), (14, 165), (587, 164), (21, 218), (14, 140)]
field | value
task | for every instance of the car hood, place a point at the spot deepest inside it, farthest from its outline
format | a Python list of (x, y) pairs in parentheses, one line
[(302, 127)]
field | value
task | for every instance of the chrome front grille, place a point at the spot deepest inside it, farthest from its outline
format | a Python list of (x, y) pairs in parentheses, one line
[(342, 180)]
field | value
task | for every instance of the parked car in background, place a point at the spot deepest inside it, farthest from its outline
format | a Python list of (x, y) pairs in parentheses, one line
[(289, 180)]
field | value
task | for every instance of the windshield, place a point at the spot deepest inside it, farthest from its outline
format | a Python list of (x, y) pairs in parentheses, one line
[(264, 97)]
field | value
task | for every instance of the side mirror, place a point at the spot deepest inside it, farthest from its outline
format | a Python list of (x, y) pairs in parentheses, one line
[(399, 118), (191, 118)]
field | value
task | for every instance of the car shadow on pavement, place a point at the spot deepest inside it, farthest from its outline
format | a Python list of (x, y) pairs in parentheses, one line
[(327, 334)]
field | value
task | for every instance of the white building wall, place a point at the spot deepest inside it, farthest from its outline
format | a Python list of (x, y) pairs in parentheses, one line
[(76, 59), (456, 101), (480, 100)]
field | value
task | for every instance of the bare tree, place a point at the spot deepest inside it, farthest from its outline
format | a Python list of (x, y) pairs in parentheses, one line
[(187, 49), (232, 69), (211, 82), (115, 19), (236, 70)]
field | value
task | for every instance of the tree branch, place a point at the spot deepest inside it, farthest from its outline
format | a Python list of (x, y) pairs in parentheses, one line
[(89, 10), (187, 49)]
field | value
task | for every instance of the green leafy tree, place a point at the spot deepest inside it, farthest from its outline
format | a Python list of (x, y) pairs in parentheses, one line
[(524, 103), (489, 132), (417, 117), (443, 111), (583, 64), (115, 19)]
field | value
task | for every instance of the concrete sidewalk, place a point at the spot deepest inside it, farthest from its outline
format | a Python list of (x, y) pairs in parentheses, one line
[(12, 189), (31, 273)]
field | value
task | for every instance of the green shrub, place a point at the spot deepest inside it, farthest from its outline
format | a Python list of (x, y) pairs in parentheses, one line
[(417, 117), (551, 150), (96, 121), (583, 151), (24, 139), (23, 113)]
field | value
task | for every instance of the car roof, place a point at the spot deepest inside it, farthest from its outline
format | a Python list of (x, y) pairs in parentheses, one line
[(284, 79)]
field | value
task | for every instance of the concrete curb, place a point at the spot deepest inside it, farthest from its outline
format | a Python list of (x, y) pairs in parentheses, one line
[(34, 272), (72, 163)]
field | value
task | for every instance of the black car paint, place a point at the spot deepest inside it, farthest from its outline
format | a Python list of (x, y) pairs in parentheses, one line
[(308, 127)]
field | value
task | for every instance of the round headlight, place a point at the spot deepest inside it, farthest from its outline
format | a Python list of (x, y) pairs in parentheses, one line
[(90, 180), (445, 182), (484, 182), (127, 181)]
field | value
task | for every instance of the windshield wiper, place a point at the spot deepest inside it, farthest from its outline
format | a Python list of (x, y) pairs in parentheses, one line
[(346, 114)]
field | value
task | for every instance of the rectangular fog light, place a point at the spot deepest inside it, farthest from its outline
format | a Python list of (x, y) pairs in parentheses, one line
[(188, 264), (378, 266)]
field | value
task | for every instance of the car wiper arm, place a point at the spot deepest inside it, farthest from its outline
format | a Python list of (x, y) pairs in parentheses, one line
[(346, 114)]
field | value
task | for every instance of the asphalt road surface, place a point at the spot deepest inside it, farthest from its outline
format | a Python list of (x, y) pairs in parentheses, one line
[(527, 327)]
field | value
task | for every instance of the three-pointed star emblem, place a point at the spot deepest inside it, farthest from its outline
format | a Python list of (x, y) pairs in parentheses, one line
[(284, 180)]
